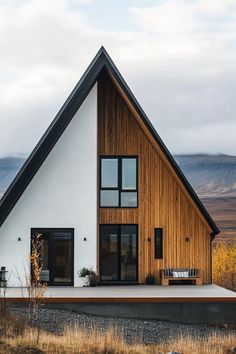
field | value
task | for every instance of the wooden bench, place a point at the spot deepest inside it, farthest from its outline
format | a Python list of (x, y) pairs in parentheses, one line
[(177, 274)]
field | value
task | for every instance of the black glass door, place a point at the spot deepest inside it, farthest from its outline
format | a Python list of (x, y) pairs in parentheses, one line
[(62, 258), (56, 248), (109, 253), (128, 252), (118, 253)]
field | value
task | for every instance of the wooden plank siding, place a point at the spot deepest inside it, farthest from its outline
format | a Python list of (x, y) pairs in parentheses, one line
[(162, 199)]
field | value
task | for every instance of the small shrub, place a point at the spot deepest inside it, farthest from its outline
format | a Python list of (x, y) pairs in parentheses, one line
[(84, 272)]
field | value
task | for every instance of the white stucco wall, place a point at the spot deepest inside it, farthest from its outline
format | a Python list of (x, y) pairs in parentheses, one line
[(63, 194)]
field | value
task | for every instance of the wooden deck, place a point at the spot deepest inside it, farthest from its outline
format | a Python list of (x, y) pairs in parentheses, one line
[(135, 293)]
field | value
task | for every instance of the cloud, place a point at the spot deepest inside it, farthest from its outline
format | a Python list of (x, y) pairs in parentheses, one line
[(185, 17), (193, 47), (178, 57)]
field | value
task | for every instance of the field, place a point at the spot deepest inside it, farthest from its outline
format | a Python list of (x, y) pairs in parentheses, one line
[(223, 211), (18, 337)]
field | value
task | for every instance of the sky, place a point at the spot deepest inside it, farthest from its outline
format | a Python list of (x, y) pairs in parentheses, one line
[(177, 56)]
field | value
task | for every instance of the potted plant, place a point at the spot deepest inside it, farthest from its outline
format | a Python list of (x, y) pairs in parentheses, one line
[(149, 279), (83, 274), (93, 278)]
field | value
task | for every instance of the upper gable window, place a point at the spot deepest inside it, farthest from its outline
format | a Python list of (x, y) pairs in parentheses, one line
[(118, 182)]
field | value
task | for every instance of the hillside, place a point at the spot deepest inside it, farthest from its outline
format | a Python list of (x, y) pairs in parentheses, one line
[(211, 176), (214, 179)]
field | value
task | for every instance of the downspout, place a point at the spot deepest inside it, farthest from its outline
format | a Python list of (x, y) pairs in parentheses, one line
[(212, 235)]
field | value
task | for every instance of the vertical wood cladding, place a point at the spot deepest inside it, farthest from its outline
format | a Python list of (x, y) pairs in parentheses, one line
[(162, 200)]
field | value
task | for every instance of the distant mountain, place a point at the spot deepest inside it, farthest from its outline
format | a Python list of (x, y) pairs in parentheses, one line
[(214, 180), (210, 175), (9, 166)]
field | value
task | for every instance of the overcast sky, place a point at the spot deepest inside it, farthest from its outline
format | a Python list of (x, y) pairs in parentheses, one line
[(178, 57)]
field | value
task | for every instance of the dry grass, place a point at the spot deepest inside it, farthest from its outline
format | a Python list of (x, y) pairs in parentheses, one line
[(214, 344), (224, 265), (73, 340), (17, 337)]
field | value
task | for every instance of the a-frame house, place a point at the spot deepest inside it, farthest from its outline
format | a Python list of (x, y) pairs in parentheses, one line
[(103, 191)]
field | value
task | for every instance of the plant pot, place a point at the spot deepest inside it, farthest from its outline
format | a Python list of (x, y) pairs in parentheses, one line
[(93, 285), (83, 281), (149, 280)]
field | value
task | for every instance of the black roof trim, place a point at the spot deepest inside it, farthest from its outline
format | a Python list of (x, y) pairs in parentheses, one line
[(39, 154)]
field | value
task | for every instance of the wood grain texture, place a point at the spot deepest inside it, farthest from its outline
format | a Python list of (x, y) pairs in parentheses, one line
[(162, 199)]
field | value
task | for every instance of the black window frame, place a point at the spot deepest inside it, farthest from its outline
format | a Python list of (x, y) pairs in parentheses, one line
[(157, 253), (119, 226), (51, 231), (119, 187)]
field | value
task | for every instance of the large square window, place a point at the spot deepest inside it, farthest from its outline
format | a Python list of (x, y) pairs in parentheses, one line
[(118, 182)]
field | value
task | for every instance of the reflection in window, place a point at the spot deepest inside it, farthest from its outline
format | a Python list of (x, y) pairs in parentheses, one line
[(158, 243), (109, 173), (44, 253), (62, 253), (129, 174), (109, 198), (109, 253), (128, 259), (128, 199)]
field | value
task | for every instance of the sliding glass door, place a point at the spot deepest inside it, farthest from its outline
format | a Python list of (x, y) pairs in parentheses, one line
[(62, 257), (56, 247), (109, 253), (118, 253), (128, 252)]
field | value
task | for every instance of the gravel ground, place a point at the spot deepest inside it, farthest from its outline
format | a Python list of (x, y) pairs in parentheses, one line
[(145, 331)]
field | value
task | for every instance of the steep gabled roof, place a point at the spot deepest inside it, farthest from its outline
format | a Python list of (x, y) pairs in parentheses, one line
[(101, 61)]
